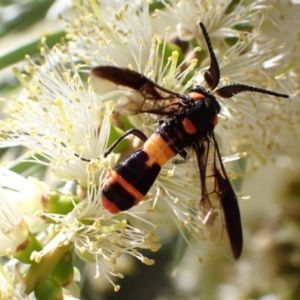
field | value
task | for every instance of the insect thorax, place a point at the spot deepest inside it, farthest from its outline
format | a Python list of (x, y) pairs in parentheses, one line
[(201, 114)]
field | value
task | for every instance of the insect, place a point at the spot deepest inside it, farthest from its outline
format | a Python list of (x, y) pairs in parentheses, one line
[(187, 121)]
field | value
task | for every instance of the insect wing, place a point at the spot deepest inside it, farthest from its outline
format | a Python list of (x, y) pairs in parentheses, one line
[(218, 209), (139, 94)]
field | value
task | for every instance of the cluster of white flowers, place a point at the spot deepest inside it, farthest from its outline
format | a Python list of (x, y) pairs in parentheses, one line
[(67, 123)]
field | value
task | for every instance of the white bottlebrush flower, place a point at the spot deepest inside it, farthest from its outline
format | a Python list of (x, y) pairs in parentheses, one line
[(279, 23), (58, 117), (14, 230), (219, 17), (11, 282), (279, 30), (178, 193), (96, 235), (99, 237), (113, 30), (27, 195), (248, 122)]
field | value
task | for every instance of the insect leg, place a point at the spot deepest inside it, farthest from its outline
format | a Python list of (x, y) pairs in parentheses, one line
[(183, 154), (84, 159), (133, 131)]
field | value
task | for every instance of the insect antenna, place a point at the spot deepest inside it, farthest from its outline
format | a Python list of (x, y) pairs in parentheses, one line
[(230, 90), (212, 77)]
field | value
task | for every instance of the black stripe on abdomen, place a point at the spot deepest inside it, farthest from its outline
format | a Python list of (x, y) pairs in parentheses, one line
[(135, 171), (118, 195)]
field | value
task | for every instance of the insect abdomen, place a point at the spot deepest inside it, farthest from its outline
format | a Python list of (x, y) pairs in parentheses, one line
[(127, 185)]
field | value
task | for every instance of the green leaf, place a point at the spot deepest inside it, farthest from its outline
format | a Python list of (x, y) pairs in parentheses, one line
[(13, 56), (157, 5), (125, 123), (27, 167), (168, 50), (231, 41), (27, 14), (240, 167)]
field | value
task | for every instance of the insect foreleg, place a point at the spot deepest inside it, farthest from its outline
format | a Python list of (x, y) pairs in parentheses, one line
[(132, 131)]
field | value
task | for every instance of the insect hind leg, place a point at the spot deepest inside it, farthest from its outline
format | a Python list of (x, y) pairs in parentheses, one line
[(132, 131), (82, 158)]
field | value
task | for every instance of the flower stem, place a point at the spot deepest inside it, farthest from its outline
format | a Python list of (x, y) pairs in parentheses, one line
[(42, 269)]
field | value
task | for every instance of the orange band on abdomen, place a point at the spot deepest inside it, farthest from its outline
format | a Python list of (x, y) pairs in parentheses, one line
[(115, 177), (158, 150)]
